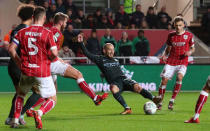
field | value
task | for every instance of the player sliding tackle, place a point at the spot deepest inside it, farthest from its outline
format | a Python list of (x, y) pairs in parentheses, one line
[(180, 45), (110, 67)]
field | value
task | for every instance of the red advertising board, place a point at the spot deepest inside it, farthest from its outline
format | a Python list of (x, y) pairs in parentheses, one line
[(156, 37)]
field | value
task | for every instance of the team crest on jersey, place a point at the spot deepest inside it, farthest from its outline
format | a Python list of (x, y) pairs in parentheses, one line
[(185, 37)]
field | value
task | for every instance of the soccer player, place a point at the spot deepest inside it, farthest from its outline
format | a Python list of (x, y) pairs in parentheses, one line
[(59, 67), (180, 45), (200, 102), (34, 62), (25, 13), (110, 67)]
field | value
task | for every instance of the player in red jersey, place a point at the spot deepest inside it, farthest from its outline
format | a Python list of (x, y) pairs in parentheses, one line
[(34, 62), (59, 67), (180, 45), (200, 102)]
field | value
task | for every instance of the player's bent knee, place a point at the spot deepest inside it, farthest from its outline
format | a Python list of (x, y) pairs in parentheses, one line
[(179, 77), (137, 88), (114, 89), (164, 81), (79, 75), (54, 98)]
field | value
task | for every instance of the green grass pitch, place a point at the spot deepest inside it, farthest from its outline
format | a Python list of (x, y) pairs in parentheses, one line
[(76, 112)]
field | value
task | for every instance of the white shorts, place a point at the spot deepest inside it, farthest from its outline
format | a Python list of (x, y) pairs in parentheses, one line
[(58, 68), (169, 71), (45, 85)]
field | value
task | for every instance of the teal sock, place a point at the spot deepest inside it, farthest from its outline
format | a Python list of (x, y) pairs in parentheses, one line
[(146, 94), (120, 99)]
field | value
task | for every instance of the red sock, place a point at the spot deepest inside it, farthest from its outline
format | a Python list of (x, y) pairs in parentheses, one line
[(47, 106), (39, 102), (162, 90), (85, 88), (18, 106), (176, 90), (201, 101)]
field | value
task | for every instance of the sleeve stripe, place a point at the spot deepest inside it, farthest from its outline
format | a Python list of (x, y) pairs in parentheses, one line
[(55, 38), (15, 41), (53, 48)]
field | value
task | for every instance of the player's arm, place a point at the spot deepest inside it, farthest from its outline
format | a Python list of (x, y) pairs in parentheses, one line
[(92, 57), (54, 52), (167, 49), (53, 47), (166, 53), (192, 47), (13, 53), (189, 53)]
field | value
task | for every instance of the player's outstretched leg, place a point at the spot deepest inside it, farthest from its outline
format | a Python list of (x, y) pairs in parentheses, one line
[(75, 74), (18, 107), (29, 112), (146, 94), (48, 105), (162, 89), (117, 95), (30, 103), (199, 105)]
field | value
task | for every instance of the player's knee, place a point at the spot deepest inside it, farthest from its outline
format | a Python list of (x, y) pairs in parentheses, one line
[(179, 77), (164, 81), (114, 89), (54, 98), (79, 75), (137, 88)]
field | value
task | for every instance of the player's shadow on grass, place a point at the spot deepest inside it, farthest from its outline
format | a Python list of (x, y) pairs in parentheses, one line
[(95, 116)]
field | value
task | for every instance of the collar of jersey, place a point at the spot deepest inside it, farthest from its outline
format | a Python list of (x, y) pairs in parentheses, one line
[(181, 33), (36, 25)]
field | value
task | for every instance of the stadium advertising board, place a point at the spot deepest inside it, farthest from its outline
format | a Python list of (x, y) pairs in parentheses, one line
[(147, 75)]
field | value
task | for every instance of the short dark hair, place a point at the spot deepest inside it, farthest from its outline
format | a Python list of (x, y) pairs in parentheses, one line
[(25, 11), (177, 19), (59, 17), (39, 12)]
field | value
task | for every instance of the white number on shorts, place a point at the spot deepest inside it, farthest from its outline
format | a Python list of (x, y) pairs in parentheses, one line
[(31, 45)]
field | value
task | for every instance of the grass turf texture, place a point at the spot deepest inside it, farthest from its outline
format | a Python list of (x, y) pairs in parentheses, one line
[(78, 113)]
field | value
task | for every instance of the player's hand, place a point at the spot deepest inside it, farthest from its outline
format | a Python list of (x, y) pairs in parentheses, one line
[(188, 53), (164, 58), (80, 38)]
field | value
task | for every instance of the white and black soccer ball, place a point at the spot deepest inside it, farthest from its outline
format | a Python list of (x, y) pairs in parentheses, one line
[(150, 108)]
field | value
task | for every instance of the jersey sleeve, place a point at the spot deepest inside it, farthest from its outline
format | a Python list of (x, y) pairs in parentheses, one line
[(168, 42), (51, 42), (191, 41), (16, 38), (95, 58)]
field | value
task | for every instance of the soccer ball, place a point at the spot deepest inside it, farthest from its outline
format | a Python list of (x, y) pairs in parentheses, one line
[(150, 108)]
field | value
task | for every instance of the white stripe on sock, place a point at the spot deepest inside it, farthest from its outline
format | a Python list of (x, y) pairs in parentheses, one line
[(201, 103), (80, 80)]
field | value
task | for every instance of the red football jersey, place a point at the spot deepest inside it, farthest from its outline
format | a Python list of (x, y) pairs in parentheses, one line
[(35, 43), (180, 44), (58, 37)]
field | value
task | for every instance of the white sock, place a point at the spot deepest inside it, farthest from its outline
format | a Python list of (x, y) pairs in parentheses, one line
[(196, 116), (95, 98), (172, 100), (15, 120), (40, 113), (21, 116)]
